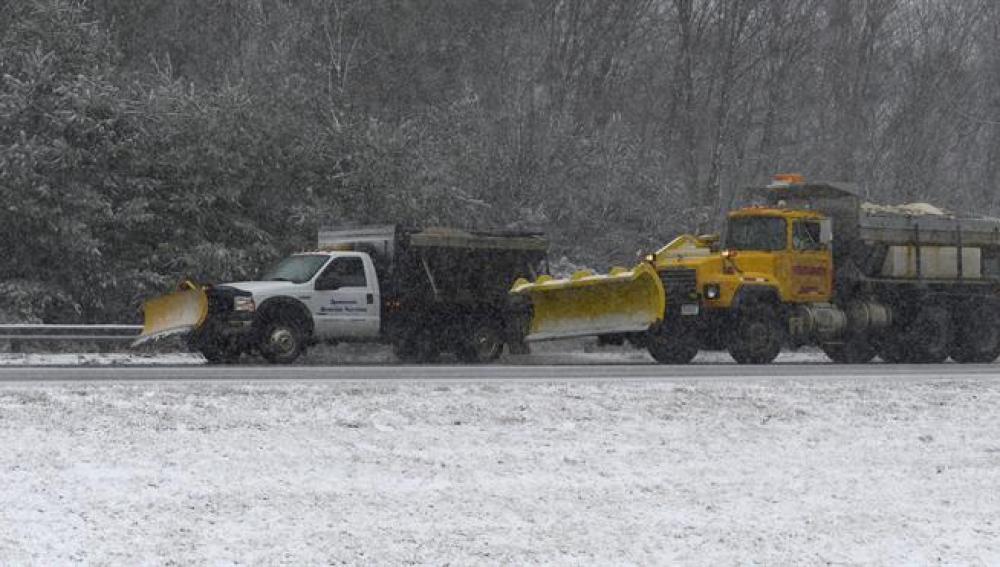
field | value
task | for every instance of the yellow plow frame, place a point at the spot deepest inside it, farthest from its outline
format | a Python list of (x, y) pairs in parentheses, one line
[(181, 311), (622, 301)]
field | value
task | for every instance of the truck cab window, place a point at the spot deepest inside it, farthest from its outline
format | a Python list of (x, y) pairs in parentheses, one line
[(343, 272), (806, 235), (299, 268), (764, 234)]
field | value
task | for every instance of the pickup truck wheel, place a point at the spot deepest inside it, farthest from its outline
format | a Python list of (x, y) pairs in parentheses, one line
[(855, 350), (281, 340), (417, 349), (977, 337), (757, 336), (483, 344), (405, 350), (671, 349)]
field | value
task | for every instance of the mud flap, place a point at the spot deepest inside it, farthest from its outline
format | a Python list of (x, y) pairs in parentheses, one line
[(623, 301)]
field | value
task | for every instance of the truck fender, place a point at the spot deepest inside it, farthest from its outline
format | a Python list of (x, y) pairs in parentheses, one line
[(288, 306), (749, 295)]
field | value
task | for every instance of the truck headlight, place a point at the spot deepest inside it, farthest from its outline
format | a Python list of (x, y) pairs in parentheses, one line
[(712, 291), (243, 303)]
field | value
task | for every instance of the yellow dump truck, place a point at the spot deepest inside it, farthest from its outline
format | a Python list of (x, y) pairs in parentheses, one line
[(805, 264)]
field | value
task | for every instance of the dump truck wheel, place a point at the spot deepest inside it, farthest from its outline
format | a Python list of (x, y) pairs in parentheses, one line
[(417, 349), (483, 344), (893, 350), (281, 340), (405, 350), (856, 350), (757, 336), (930, 334), (428, 350), (667, 348), (977, 337), (927, 339)]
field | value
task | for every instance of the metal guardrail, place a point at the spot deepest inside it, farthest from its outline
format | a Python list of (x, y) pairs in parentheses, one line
[(29, 332)]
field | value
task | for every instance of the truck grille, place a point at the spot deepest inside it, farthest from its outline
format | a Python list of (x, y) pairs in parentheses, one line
[(681, 286)]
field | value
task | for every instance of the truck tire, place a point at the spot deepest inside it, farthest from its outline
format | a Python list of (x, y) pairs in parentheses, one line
[(893, 348), (405, 350), (855, 350), (281, 339), (417, 350), (482, 344), (931, 332), (926, 340), (757, 336), (665, 348), (977, 337)]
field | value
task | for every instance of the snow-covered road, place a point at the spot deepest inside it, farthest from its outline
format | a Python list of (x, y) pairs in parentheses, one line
[(865, 469)]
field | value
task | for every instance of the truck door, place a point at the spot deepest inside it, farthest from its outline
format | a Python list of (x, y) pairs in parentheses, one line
[(345, 303), (811, 263)]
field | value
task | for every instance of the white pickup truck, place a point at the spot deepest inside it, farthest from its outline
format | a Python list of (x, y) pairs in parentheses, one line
[(423, 291)]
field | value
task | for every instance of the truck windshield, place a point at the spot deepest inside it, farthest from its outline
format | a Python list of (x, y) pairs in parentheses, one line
[(756, 233), (298, 269)]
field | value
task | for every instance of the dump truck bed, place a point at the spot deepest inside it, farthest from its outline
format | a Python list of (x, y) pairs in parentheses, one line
[(444, 264), (903, 241)]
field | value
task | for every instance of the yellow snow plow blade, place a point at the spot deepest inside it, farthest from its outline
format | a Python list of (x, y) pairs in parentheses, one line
[(177, 312), (587, 304)]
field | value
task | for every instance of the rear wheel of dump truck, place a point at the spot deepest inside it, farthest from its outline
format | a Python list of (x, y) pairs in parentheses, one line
[(977, 335), (281, 339), (482, 344), (672, 348), (855, 350), (927, 338), (757, 336), (931, 332)]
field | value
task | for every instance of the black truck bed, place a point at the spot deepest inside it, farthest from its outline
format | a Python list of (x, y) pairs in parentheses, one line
[(443, 264)]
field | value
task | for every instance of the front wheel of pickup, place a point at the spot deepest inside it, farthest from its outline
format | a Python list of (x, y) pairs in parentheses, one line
[(281, 340), (482, 344)]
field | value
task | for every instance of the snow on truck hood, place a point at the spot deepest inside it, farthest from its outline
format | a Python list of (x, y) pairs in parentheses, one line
[(260, 288)]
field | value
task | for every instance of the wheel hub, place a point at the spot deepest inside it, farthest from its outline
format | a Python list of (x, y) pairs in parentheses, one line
[(282, 341)]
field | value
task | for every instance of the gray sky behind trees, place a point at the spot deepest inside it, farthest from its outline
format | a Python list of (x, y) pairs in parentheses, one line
[(207, 137)]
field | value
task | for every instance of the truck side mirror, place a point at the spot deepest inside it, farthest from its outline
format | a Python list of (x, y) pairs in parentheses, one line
[(826, 231)]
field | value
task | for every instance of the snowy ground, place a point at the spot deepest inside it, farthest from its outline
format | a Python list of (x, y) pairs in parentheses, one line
[(778, 472), (560, 352), (98, 359)]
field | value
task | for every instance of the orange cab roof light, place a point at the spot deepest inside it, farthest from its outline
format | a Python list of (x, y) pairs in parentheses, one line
[(788, 179)]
